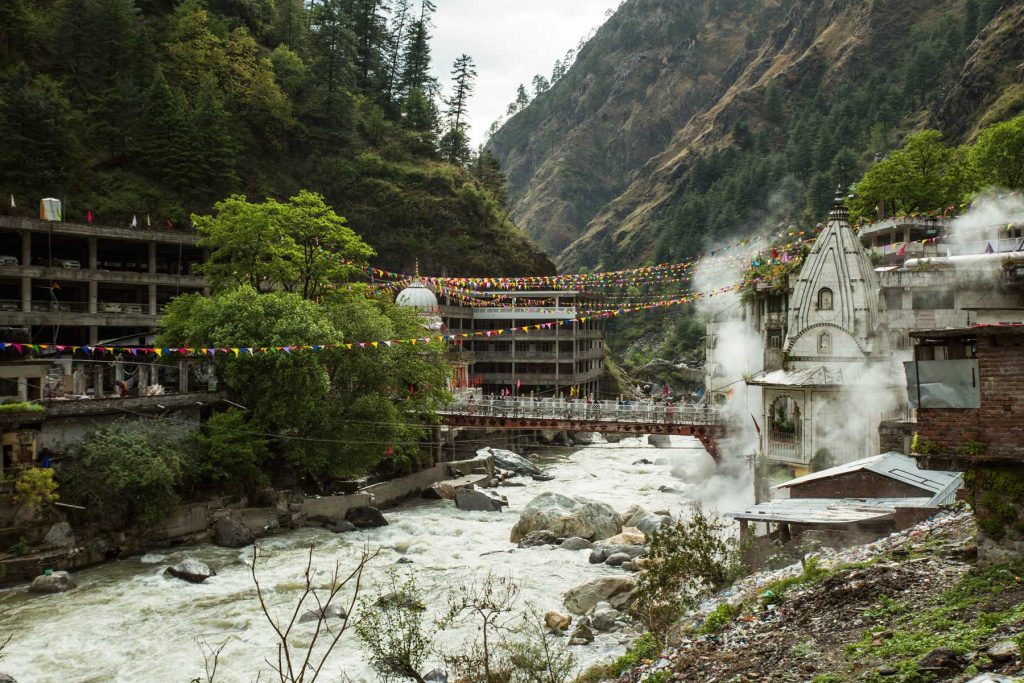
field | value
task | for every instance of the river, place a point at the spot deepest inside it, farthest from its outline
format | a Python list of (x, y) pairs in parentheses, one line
[(126, 621)]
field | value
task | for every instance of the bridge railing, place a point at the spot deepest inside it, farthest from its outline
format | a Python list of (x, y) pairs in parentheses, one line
[(603, 411)]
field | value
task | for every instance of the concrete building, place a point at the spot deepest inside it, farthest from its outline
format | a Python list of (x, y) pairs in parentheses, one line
[(72, 283), (832, 335)]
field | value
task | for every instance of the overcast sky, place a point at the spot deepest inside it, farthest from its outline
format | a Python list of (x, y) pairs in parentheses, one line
[(510, 41)]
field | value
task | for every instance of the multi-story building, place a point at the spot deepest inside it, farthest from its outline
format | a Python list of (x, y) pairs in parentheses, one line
[(547, 361), (74, 283), (832, 335)]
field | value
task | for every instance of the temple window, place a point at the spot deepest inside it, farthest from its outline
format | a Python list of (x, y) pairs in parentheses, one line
[(825, 299), (824, 343)]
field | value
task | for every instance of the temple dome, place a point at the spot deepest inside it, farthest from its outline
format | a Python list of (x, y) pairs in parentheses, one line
[(417, 295)]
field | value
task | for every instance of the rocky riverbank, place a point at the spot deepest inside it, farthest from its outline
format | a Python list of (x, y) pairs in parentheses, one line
[(911, 607)]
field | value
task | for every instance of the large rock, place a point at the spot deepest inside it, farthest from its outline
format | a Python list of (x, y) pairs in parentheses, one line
[(941, 661), (191, 570), (587, 438), (507, 460), (615, 590), (601, 553), (332, 612), (582, 634), (539, 537), (6, 678), (1004, 651), (617, 559), (630, 535), (604, 619), (556, 621), (659, 440), (575, 543), (567, 516), (478, 500), (59, 535), (366, 517), (56, 582), (230, 533), (643, 520), (441, 490)]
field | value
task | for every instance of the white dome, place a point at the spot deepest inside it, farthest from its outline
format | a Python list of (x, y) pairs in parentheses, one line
[(418, 296)]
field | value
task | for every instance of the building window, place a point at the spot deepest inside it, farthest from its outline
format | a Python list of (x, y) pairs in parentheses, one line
[(893, 299), (824, 343), (775, 304), (825, 299), (774, 339), (784, 421)]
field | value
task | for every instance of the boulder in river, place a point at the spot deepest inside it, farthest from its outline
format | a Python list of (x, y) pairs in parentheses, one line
[(617, 559), (556, 621), (587, 438), (643, 520), (539, 537), (507, 460), (332, 612), (6, 678), (567, 516), (659, 440), (583, 634), (629, 535), (615, 590), (55, 582), (542, 477), (600, 553), (230, 533), (604, 619), (191, 570), (436, 676), (59, 535), (440, 490), (366, 517), (575, 543), (341, 526), (478, 500)]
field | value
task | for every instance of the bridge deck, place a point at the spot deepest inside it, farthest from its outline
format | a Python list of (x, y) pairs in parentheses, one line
[(698, 420)]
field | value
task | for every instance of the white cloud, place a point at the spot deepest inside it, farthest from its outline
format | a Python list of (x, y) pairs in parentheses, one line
[(510, 41)]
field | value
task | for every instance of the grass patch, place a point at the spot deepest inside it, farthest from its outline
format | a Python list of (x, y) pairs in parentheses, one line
[(644, 647), (721, 617), (21, 407)]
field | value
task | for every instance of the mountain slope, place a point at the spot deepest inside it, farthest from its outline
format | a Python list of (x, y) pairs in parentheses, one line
[(683, 122)]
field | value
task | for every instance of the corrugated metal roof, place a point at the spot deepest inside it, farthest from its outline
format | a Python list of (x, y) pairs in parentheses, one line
[(942, 485), (837, 511), (817, 376)]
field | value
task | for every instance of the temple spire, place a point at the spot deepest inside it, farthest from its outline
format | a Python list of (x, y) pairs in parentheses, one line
[(839, 211), (417, 269)]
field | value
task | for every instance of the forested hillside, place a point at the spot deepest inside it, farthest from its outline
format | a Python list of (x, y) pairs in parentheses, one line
[(682, 123), (161, 107)]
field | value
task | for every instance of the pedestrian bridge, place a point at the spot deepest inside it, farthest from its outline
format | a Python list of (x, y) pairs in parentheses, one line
[(702, 421)]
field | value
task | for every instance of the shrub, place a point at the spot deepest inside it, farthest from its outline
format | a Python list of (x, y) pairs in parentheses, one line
[(719, 618), (35, 486), (126, 472), (229, 454), (21, 407), (392, 629)]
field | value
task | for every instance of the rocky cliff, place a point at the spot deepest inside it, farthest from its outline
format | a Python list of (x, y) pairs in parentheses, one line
[(681, 122)]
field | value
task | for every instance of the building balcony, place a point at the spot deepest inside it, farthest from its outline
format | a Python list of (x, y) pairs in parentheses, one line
[(72, 313), (160, 236), (98, 275)]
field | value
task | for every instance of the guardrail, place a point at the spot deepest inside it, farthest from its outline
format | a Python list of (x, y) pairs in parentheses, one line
[(644, 412)]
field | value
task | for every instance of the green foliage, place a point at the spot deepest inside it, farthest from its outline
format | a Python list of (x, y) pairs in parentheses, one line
[(21, 407), (998, 155), (924, 175), (231, 456), (687, 560), (393, 630), (719, 618), (539, 656), (126, 472), (35, 486), (19, 547), (997, 496)]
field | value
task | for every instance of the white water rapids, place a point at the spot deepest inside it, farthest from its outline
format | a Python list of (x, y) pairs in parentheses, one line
[(126, 621)]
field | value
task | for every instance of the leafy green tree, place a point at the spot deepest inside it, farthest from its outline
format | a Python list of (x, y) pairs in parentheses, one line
[(924, 175), (35, 486), (126, 472), (998, 155), (231, 454), (301, 246), (213, 159)]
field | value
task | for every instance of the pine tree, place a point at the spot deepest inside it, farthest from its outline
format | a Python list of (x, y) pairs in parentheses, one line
[(214, 157), (396, 37), (487, 170), (331, 40), (540, 85), (291, 24), (557, 71), (522, 99), (455, 143), (416, 56), (970, 20), (163, 145), (370, 32)]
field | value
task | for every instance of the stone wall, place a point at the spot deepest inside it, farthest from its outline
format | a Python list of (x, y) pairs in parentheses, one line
[(996, 493)]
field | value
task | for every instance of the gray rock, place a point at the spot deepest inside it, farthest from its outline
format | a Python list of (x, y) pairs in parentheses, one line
[(941, 660), (542, 477), (539, 537), (59, 535), (617, 559), (508, 482), (230, 533), (341, 526), (642, 461), (191, 570), (583, 634), (1004, 651), (477, 500), (366, 517), (507, 460), (403, 560), (436, 676), (628, 566), (439, 491), (55, 582), (576, 543), (6, 678), (332, 612), (659, 440), (401, 599), (669, 489), (605, 620), (633, 551), (616, 590), (644, 520), (588, 438), (567, 516)]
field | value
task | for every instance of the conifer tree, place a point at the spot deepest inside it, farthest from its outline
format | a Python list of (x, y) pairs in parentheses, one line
[(540, 85), (396, 37), (214, 158), (455, 144), (370, 32), (522, 99), (416, 55), (331, 42), (162, 141)]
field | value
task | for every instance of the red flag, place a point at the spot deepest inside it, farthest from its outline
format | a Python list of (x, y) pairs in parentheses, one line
[(902, 249), (775, 253), (88, 217)]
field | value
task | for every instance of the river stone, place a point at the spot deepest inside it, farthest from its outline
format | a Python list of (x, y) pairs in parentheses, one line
[(440, 491), (332, 612), (56, 582), (643, 520), (576, 543), (583, 634), (629, 536), (567, 516), (659, 440), (7, 678), (1004, 651), (543, 477), (556, 621), (587, 438), (507, 460), (601, 553), (477, 500), (642, 461), (941, 660), (604, 619), (616, 590), (617, 559), (539, 537), (230, 533), (59, 535), (341, 526), (436, 676), (191, 570), (366, 517)]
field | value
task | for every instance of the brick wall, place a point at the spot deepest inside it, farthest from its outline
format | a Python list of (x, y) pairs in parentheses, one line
[(999, 422), (895, 436), (862, 484)]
